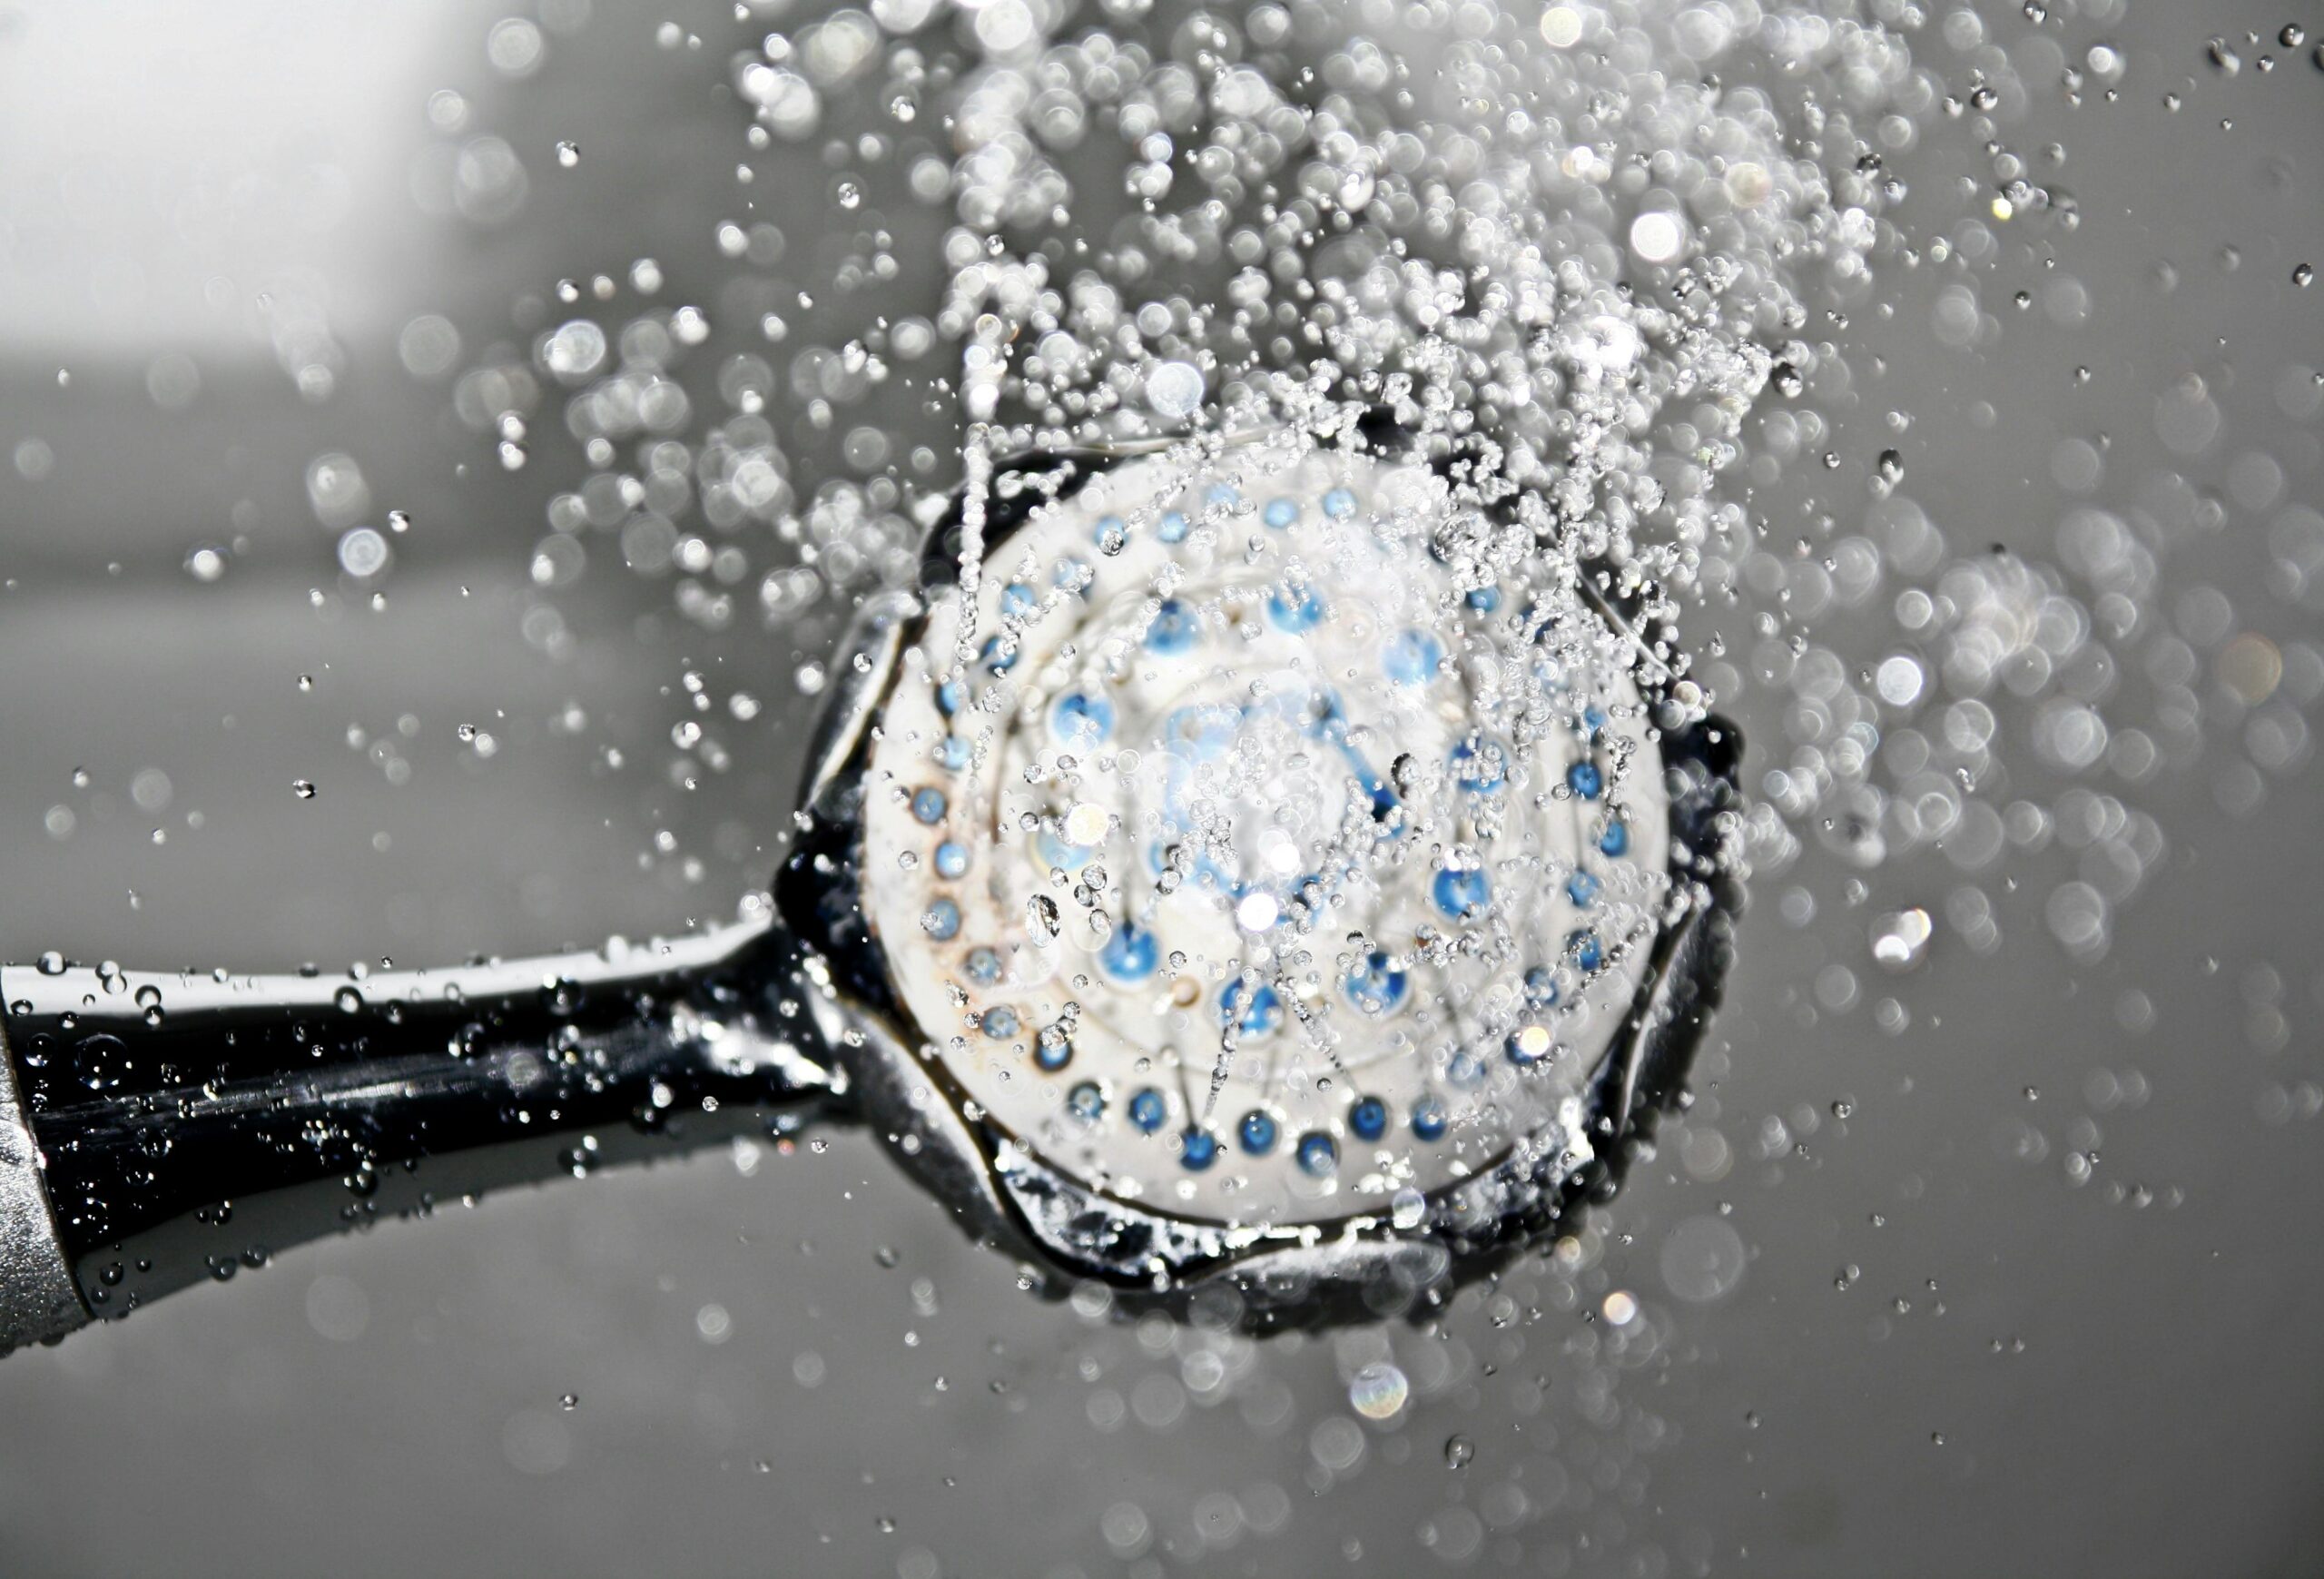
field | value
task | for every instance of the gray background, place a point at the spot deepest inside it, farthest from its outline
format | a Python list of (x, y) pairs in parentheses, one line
[(2023, 1375)]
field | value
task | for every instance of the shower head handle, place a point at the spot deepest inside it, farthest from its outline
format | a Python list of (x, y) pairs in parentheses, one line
[(158, 1130)]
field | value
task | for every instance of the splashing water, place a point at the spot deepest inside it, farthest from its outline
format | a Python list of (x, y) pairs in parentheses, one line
[(1601, 261), (1579, 247), (1598, 259)]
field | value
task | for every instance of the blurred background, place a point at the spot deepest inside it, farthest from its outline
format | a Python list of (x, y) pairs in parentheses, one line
[(2013, 1277)]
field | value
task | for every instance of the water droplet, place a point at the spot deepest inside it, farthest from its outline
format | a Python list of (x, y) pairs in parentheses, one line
[(364, 553), (1408, 1209), (1900, 938), (1379, 1391), (1175, 390)]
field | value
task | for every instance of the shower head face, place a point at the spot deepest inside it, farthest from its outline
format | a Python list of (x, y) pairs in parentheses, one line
[(1244, 879)]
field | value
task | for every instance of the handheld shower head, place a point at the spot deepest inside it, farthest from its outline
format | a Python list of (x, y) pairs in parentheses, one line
[(1273, 864)]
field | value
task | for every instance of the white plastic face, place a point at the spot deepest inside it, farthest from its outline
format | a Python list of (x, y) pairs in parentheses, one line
[(1240, 865)]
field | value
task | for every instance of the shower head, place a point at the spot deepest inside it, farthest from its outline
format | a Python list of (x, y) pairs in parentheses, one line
[(1220, 872), (1276, 864)]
